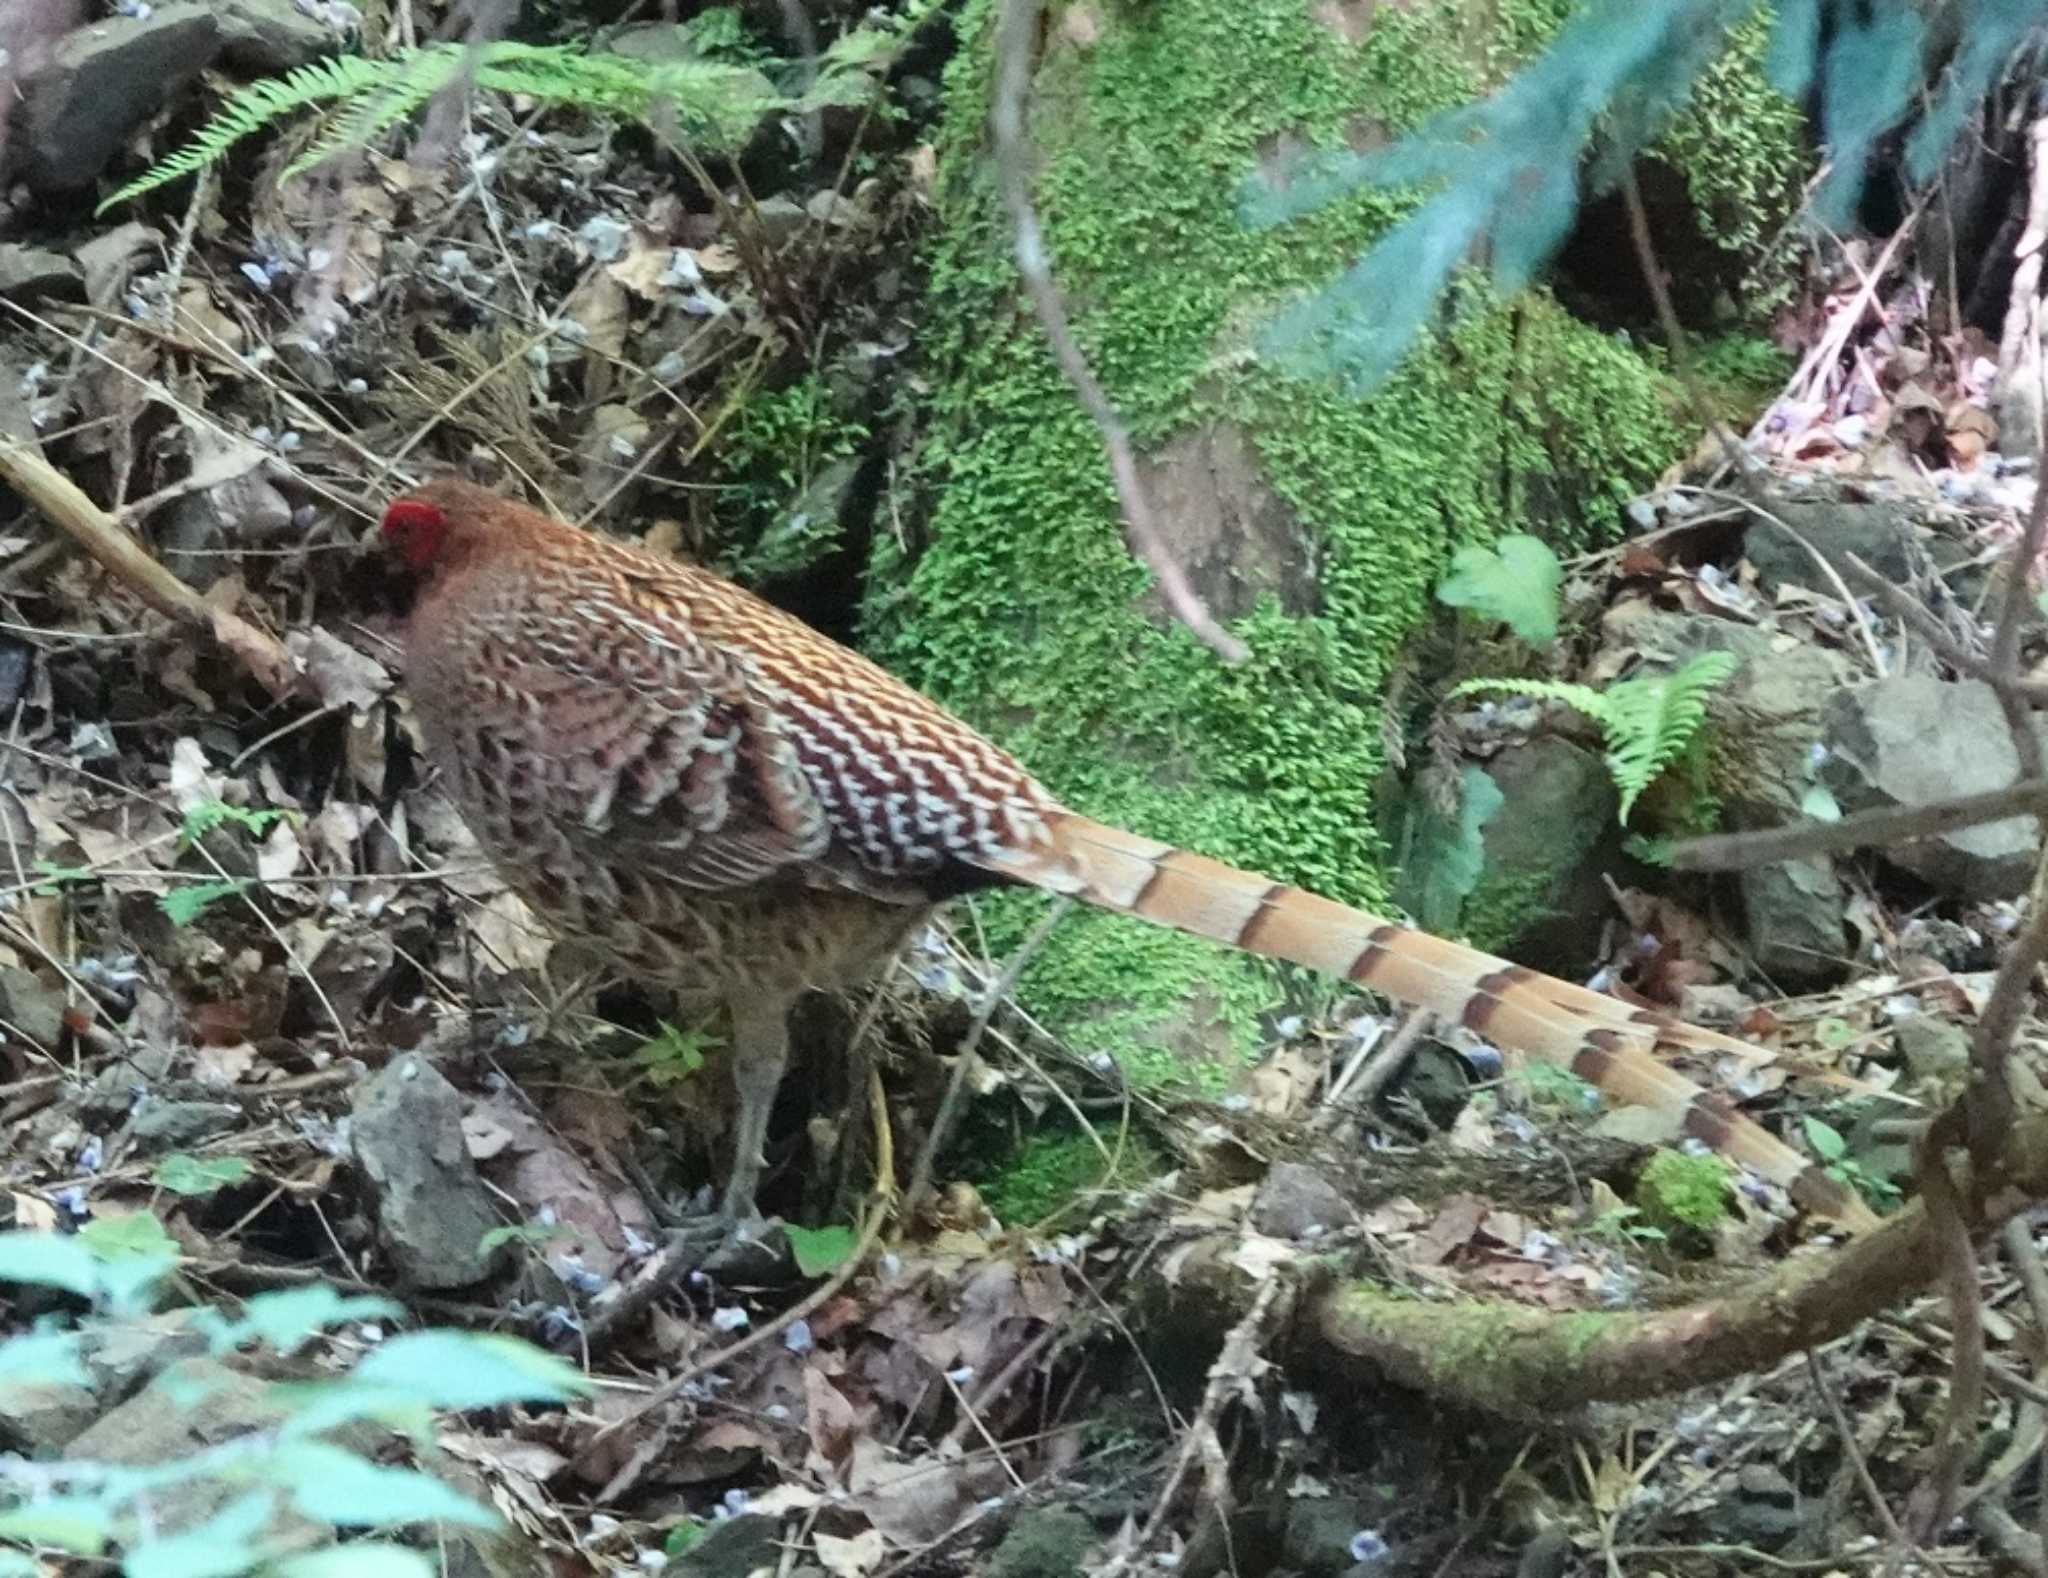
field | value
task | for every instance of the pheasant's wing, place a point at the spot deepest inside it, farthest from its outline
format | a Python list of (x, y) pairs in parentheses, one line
[(588, 733)]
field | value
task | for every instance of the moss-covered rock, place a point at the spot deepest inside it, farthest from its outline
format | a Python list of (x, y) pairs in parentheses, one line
[(1023, 608)]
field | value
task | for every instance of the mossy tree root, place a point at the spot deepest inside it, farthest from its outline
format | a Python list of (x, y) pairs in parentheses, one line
[(1539, 1364)]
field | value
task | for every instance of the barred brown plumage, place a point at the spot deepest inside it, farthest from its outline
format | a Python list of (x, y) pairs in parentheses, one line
[(715, 795)]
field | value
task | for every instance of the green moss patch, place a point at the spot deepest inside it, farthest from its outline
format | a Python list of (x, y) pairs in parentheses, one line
[(1025, 610)]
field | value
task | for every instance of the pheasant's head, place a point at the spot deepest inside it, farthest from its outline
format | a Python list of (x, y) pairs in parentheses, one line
[(439, 524)]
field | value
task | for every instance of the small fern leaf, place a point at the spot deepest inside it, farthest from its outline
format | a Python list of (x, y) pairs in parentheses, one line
[(1580, 698), (1650, 721), (253, 108), (417, 77)]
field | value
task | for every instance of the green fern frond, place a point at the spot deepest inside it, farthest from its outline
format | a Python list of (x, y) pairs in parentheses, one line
[(411, 80), (255, 107), (1580, 698), (1647, 723), (1651, 721), (710, 101)]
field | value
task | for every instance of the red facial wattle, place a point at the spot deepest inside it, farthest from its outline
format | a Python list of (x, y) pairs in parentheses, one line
[(416, 529)]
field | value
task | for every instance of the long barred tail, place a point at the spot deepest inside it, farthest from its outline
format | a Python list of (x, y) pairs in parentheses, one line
[(1604, 1041)]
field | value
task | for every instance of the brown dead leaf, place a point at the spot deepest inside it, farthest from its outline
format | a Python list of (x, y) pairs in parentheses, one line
[(1395, 1218), (916, 1501), (1457, 1219), (507, 935), (1214, 1209), (1258, 1256), (718, 258), (852, 1558), (336, 674), (647, 269), (830, 1420), (923, 164), (223, 1065), (1284, 1083)]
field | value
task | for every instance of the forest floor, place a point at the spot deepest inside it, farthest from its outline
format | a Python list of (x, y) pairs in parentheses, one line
[(262, 997)]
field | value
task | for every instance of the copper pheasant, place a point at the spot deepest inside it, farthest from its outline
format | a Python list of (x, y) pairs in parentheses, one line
[(720, 799)]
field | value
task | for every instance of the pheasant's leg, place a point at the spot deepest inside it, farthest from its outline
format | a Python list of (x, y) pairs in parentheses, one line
[(760, 1051)]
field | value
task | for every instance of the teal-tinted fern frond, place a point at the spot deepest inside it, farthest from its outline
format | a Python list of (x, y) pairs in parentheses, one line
[(255, 107), (1501, 179), (1646, 723), (713, 104)]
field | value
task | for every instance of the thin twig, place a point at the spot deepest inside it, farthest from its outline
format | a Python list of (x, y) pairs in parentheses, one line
[(1015, 46), (1890, 825), (1937, 1495), (1227, 1375), (998, 989), (1858, 1464), (1674, 332)]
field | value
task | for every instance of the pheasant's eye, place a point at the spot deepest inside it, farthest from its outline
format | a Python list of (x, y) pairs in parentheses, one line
[(415, 528)]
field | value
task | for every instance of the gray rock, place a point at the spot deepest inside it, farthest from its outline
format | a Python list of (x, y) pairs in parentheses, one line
[(42, 1419), (190, 1407), (98, 84), (733, 1549), (1235, 538), (1913, 740), (266, 37), (30, 274), (1879, 532), (163, 1125), (1793, 913), (1764, 1509), (1317, 1542), (35, 1010), (780, 218), (432, 1209), (1934, 1049), (1296, 1201), (1541, 896)]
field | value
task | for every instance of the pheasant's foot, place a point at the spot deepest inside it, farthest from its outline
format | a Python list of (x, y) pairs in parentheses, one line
[(751, 1250)]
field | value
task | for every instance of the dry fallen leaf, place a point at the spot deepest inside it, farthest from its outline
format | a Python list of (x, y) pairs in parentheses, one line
[(850, 1558)]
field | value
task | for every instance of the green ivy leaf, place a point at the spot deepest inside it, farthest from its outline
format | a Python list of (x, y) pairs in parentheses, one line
[(1827, 1143), (334, 1484), (49, 1260), (42, 1358), (287, 1318), (185, 1174), (115, 1238), (1819, 804), (363, 1559), (78, 1524), (681, 1538), (1445, 859), (452, 1369), (819, 1251), (221, 1547), (1515, 581)]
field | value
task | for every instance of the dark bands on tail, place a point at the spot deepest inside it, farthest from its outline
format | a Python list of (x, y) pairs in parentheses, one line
[(1598, 1038)]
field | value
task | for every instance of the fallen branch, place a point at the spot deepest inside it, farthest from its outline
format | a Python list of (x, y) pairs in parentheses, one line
[(1892, 825), (1536, 1363), (59, 500)]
